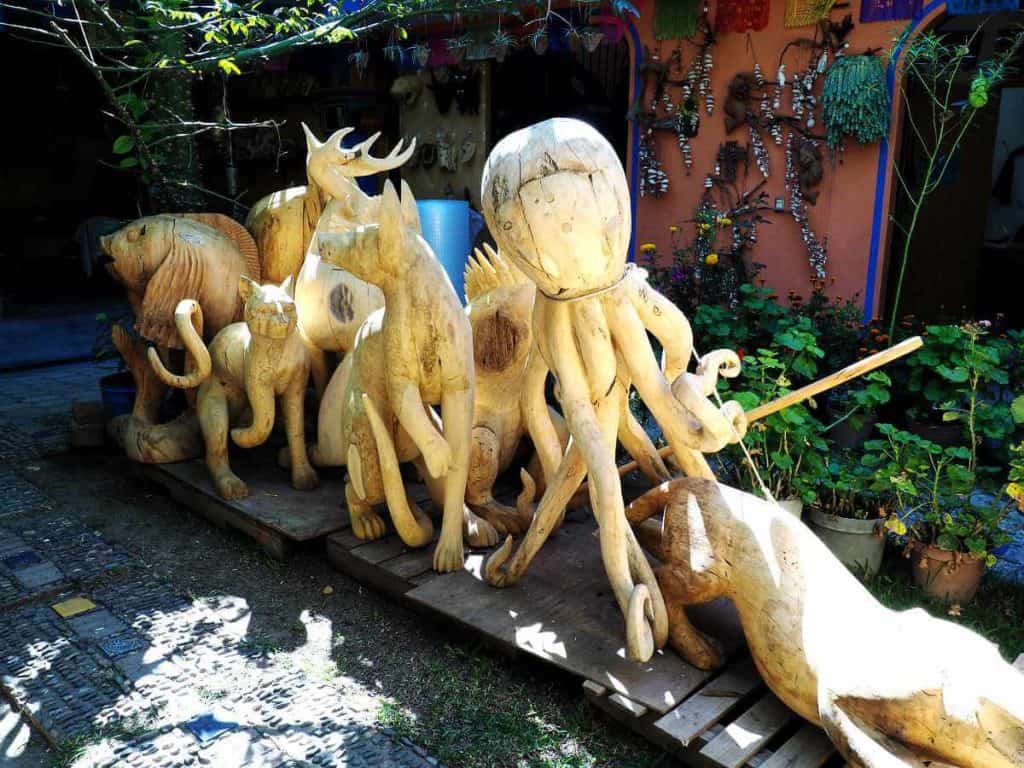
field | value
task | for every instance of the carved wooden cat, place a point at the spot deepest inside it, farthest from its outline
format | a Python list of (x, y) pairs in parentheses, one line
[(428, 349), (247, 366)]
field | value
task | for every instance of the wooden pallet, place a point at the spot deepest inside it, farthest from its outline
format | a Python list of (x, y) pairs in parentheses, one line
[(274, 514), (562, 612)]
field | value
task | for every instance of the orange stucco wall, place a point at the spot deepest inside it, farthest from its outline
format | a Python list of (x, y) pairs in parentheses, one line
[(845, 206)]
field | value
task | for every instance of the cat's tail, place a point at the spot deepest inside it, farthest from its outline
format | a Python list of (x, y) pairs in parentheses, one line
[(414, 528), (188, 319)]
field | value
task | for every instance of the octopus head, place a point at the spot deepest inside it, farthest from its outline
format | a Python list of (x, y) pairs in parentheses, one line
[(557, 202)]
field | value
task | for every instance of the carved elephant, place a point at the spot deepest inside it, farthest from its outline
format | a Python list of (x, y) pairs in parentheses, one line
[(163, 259), (282, 225)]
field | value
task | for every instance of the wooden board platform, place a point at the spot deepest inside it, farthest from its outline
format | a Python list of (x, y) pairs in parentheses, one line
[(274, 514), (562, 612)]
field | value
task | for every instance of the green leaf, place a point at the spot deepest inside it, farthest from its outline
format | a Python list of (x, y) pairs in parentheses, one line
[(123, 145), (229, 67), (128, 162), (1017, 409)]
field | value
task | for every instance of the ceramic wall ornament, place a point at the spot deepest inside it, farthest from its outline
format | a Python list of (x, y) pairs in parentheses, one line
[(813, 629), (557, 201), (406, 90), (428, 349), (247, 366), (331, 302)]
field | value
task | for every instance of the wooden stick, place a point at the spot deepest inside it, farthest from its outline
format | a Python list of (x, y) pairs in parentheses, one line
[(851, 371)]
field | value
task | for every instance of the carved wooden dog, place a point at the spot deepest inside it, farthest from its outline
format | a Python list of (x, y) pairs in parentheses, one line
[(428, 349), (891, 689), (248, 364)]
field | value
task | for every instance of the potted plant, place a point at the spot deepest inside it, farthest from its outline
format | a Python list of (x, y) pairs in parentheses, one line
[(952, 527), (117, 390), (852, 409), (787, 448), (847, 517)]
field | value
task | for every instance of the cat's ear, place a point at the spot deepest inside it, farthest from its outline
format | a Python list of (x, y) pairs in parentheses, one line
[(392, 225), (410, 213), (288, 286), (247, 287)]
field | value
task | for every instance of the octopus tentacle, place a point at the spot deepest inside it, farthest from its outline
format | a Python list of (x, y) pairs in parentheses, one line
[(663, 319), (717, 362), (681, 431), (537, 417)]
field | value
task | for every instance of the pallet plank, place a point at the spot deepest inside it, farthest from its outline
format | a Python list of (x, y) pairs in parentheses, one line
[(563, 612), (809, 747), (709, 705), (743, 737)]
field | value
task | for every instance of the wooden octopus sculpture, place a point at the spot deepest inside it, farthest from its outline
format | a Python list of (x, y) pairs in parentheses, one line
[(813, 631), (557, 201)]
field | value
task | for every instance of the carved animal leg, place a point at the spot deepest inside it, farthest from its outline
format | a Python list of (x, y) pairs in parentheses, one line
[(679, 589), (650, 382), (367, 525), (149, 389), (260, 392), (638, 444), (476, 531), (862, 747), (537, 416), (319, 370), (457, 417), (212, 408), (483, 471), (408, 407), (292, 401), (413, 527)]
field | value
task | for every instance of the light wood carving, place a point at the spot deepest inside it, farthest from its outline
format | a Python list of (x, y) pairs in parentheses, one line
[(427, 352), (247, 366), (162, 260), (333, 303), (892, 689), (557, 202), (282, 224)]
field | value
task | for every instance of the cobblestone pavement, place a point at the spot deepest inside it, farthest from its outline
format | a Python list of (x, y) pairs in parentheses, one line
[(112, 667)]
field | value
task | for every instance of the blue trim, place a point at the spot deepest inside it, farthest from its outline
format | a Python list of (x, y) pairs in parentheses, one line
[(879, 215), (634, 159)]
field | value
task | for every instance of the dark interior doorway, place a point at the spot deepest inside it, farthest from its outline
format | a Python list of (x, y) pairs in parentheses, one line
[(967, 255), (593, 87)]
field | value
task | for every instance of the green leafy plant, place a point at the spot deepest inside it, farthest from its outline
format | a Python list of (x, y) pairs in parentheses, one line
[(934, 65), (931, 491), (843, 488), (855, 101), (787, 447)]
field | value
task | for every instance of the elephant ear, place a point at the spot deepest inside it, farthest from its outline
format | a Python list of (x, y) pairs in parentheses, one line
[(180, 276)]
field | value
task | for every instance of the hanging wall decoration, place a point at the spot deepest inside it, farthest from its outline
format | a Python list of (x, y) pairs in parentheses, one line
[(855, 100), (674, 19), (889, 10), (803, 13), (741, 15)]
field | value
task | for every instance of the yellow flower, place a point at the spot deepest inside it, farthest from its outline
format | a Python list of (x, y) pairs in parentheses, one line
[(703, 227), (673, 229), (711, 259), (648, 248), (725, 221)]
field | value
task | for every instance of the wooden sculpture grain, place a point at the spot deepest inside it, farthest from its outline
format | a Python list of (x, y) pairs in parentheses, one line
[(428, 350), (891, 689), (557, 202), (332, 303), (247, 366)]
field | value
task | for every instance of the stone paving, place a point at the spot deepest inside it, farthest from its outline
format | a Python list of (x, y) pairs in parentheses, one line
[(113, 668)]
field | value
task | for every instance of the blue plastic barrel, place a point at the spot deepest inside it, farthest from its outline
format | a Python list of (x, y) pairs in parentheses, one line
[(446, 227)]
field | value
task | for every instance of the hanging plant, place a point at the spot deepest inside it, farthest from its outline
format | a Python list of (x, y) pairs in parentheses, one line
[(500, 44), (360, 59), (421, 54), (855, 100), (393, 53), (573, 39), (457, 47), (539, 41), (592, 38)]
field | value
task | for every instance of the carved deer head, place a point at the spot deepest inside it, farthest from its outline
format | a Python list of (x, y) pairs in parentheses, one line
[(332, 167)]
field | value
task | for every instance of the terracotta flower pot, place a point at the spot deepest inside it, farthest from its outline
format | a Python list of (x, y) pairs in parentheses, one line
[(950, 576), (856, 543)]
